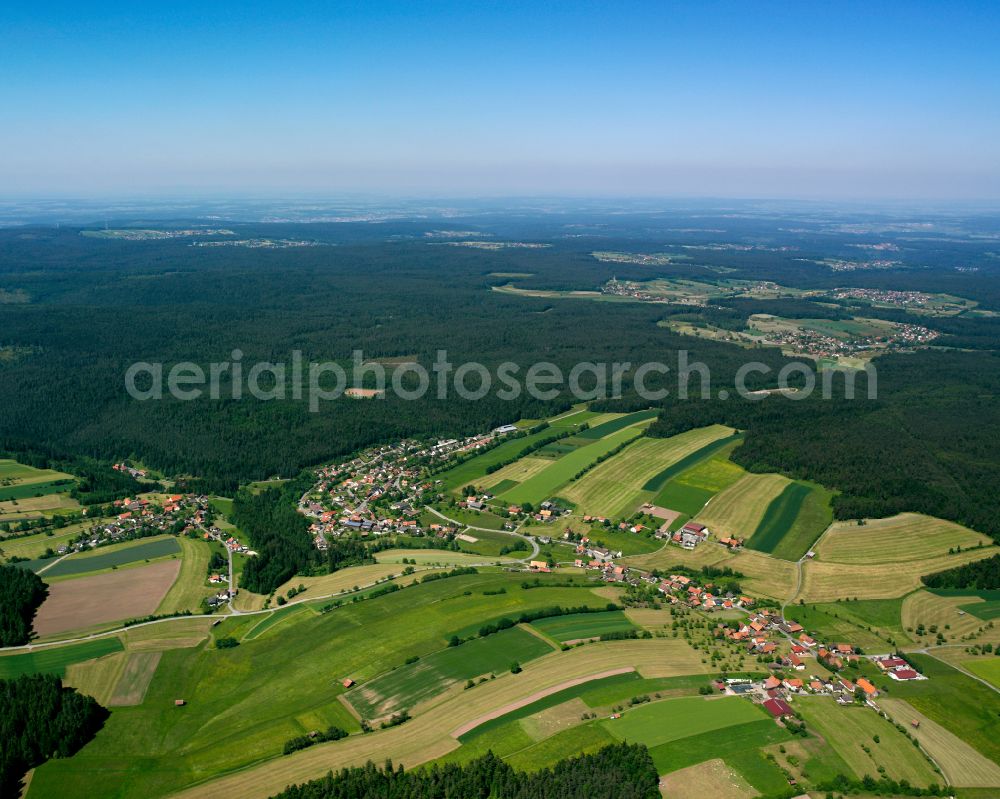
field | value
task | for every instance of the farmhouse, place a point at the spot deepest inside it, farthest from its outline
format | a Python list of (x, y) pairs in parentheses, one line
[(778, 708)]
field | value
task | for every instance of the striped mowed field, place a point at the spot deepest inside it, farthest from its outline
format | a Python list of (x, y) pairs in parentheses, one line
[(823, 581), (906, 537), (845, 728), (518, 471), (963, 765), (559, 472), (739, 509), (615, 488)]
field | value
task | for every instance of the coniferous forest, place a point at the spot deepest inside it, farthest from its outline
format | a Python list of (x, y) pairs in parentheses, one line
[(21, 594), (622, 771), (88, 308), (40, 719)]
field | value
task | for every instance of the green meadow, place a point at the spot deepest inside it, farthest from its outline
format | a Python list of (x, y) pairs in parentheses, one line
[(668, 720), (313, 653), (405, 686), (112, 556), (687, 491), (543, 485), (54, 660), (613, 426), (583, 625), (793, 521)]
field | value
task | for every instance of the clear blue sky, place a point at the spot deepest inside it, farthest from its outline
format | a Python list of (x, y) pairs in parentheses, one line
[(828, 100)]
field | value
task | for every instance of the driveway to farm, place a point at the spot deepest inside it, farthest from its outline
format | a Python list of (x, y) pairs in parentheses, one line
[(798, 569)]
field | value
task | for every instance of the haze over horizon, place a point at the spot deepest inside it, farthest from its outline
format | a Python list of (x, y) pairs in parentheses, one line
[(703, 100)]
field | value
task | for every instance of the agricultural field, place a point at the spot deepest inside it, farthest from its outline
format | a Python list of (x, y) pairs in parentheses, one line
[(852, 730), (661, 722), (410, 684), (955, 701), (711, 778), (871, 624), (738, 510), (30, 493), (97, 677), (793, 521), (618, 486), (763, 575), (613, 425), (190, 587), (616, 540), (356, 640), (113, 596), (583, 625), (546, 483), (432, 557), (906, 537), (741, 752), (961, 764), (514, 473), (988, 668), (56, 660), (34, 546), (689, 490), (111, 557), (472, 471), (951, 615), (824, 581)]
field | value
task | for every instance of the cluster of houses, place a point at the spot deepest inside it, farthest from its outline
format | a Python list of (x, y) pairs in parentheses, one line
[(352, 496), (136, 517), (681, 589), (124, 468)]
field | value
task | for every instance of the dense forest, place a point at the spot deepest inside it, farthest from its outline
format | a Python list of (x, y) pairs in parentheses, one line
[(21, 594), (622, 771), (40, 719), (88, 308), (930, 442), (980, 575), (279, 535)]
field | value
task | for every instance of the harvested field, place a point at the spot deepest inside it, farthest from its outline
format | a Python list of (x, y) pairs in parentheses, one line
[(560, 471), (36, 505), (794, 520), (617, 487), (944, 613), (711, 778), (823, 581), (518, 471), (343, 580), (113, 596), (96, 678), (847, 728), (180, 633), (189, 589), (134, 679), (896, 539), (738, 510), (553, 720), (963, 765)]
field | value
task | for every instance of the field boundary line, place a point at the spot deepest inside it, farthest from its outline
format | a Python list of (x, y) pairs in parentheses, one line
[(512, 706)]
